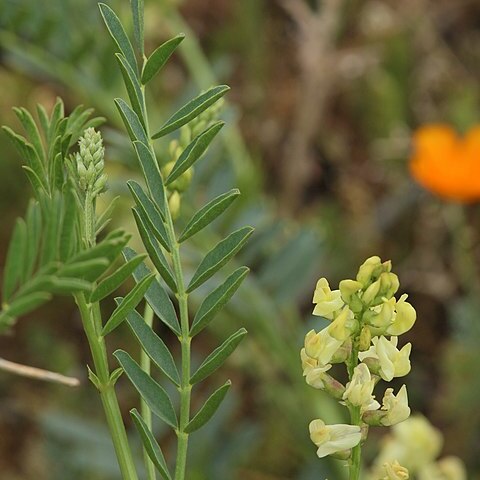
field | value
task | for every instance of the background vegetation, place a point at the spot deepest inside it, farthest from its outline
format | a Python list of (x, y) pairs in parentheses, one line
[(325, 97)]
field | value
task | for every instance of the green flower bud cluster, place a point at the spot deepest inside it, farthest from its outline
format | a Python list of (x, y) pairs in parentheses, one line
[(366, 320), (89, 163)]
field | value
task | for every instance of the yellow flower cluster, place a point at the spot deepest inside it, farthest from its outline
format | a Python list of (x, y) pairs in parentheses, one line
[(365, 322)]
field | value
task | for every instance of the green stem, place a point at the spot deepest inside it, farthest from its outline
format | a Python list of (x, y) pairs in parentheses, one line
[(145, 364), (355, 418), (92, 324), (90, 314), (185, 388)]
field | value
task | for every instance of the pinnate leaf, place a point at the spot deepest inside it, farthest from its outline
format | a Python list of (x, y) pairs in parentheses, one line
[(216, 300), (150, 214), (153, 394), (109, 284), (153, 346), (219, 256), (192, 109), (118, 34), (128, 304), (132, 122), (193, 151), (208, 213), (15, 262), (156, 296), (152, 175), (208, 409), (218, 356), (154, 251), (137, 14), (150, 444), (159, 57)]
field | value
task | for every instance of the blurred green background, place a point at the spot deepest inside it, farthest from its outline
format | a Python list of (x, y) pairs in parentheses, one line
[(325, 97)]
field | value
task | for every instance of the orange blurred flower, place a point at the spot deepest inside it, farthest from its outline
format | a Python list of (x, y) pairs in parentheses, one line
[(447, 164)]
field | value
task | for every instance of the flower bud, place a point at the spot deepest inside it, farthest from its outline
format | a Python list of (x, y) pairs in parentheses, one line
[(348, 288), (174, 204), (343, 325), (389, 284), (371, 293), (365, 339), (369, 270)]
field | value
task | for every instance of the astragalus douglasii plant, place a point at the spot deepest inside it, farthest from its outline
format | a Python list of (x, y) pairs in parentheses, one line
[(366, 321), (60, 248)]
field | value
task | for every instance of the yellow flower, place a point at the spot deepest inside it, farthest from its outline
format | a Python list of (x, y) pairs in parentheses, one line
[(447, 164), (391, 361), (321, 346), (313, 372), (371, 267), (396, 406), (333, 438), (359, 390), (405, 316), (327, 301)]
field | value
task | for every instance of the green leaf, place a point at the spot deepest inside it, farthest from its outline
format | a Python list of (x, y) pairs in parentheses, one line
[(34, 226), (208, 409), (208, 213), (34, 179), (51, 237), (159, 57), (128, 304), (104, 218), (156, 296), (192, 109), (115, 375), (29, 154), (215, 301), (194, 151), (150, 444), (137, 14), (118, 34), (55, 118), (133, 87), (43, 118), (32, 130), (68, 234), (153, 394), (15, 262), (218, 356), (132, 122), (87, 269), (27, 303), (110, 247), (65, 285), (219, 256), (154, 251), (151, 215), (152, 175), (153, 346), (109, 284)]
